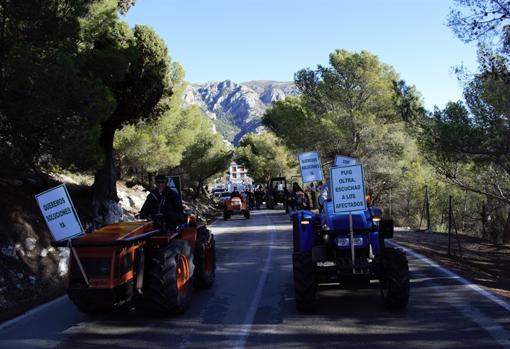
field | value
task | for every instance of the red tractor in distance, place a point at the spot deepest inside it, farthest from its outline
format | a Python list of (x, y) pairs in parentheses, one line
[(236, 205)]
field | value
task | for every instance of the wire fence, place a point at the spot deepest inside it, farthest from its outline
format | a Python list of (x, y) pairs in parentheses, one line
[(450, 212)]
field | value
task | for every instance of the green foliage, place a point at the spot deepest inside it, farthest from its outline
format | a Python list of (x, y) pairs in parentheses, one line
[(159, 144), (180, 141), (471, 140), (133, 64), (45, 97), (467, 142), (125, 5), (134, 67), (479, 19), (265, 156), (225, 126), (348, 108), (353, 107), (69, 70), (206, 157)]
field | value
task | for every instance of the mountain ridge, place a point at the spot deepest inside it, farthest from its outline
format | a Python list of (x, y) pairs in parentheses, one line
[(237, 108)]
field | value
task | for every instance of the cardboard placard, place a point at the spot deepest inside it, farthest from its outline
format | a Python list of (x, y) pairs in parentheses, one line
[(59, 213), (348, 188), (310, 166), (341, 160)]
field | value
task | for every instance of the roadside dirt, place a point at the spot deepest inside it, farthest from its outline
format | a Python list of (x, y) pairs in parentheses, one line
[(482, 262)]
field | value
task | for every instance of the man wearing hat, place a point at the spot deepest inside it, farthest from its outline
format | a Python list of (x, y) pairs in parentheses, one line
[(163, 200)]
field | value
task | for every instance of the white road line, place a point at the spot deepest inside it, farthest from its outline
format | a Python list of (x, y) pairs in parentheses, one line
[(487, 294), (244, 332)]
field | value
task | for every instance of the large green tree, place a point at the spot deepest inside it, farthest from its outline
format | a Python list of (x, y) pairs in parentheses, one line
[(51, 107), (158, 144), (46, 108), (133, 65), (265, 156), (353, 107), (469, 142), (207, 156)]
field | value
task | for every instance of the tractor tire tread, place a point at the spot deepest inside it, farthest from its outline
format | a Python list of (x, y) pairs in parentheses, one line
[(395, 279), (305, 283), (160, 284)]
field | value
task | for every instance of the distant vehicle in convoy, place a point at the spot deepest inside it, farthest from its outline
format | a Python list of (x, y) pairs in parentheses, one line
[(236, 205), (325, 252), (216, 191), (223, 196), (276, 193), (142, 260)]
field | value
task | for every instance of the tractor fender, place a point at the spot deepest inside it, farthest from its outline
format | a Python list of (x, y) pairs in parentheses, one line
[(375, 242), (303, 231)]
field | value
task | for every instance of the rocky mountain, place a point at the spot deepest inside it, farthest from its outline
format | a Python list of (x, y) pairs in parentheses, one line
[(237, 108)]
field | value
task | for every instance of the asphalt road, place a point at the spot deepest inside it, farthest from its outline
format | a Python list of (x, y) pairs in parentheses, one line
[(251, 305)]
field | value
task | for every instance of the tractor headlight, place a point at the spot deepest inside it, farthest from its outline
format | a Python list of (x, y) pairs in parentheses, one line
[(358, 241), (342, 242), (345, 242), (305, 222), (376, 220)]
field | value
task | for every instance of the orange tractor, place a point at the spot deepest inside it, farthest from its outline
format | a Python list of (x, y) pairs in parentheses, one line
[(236, 205), (142, 260)]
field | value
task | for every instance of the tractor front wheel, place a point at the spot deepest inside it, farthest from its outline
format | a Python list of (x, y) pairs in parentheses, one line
[(305, 283), (168, 285), (395, 280)]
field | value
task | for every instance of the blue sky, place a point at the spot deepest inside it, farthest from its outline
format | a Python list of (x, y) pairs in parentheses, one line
[(244, 40)]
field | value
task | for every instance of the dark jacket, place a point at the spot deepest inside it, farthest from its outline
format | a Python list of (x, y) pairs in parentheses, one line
[(168, 203), (235, 194)]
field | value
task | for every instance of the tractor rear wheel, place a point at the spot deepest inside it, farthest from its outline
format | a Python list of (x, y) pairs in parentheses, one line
[(395, 280), (305, 283), (205, 259), (247, 214), (168, 284)]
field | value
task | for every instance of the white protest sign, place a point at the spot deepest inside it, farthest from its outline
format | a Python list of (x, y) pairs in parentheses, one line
[(310, 166), (59, 213), (348, 188), (174, 183), (341, 160)]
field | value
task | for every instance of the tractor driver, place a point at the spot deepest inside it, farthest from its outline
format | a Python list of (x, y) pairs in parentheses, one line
[(324, 195), (235, 193), (163, 200)]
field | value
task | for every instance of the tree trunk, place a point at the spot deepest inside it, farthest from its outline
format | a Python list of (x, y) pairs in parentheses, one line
[(506, 230), (105, 180), (196, 193)]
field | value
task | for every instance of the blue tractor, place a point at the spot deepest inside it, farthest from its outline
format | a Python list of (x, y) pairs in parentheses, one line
[(325, 251)]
